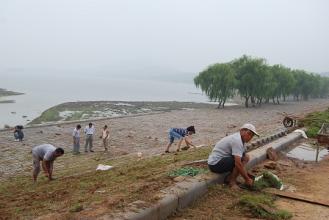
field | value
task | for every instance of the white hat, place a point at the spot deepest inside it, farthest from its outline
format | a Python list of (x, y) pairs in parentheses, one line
[(250, 127)]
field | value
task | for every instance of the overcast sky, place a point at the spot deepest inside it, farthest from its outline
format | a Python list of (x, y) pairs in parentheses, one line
[(184, 35)]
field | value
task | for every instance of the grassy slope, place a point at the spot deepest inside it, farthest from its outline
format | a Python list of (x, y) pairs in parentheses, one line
[(131, 180)]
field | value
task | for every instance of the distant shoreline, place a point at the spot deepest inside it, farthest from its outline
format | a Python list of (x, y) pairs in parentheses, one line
[(85, 110), (4, 93)]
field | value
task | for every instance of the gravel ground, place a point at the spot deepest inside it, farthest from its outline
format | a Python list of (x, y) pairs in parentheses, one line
[(146, 133)]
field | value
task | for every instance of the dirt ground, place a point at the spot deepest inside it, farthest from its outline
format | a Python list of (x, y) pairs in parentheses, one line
[(305, 178), (146, 134)]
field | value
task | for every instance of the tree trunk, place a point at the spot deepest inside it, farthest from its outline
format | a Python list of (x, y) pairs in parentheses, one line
[(246, 101)]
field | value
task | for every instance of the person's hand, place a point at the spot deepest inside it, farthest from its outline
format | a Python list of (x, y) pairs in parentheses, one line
[(249, 181)]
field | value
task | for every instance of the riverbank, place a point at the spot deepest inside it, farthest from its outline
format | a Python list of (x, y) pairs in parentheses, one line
[(75, 111), (129, 135)]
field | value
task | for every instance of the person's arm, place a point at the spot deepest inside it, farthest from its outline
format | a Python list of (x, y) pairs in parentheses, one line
[(48, 168), (188, 143), (242, 170), (107, 134)]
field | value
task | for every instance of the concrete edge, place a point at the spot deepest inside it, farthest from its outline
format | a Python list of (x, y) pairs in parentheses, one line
[(185, 193)]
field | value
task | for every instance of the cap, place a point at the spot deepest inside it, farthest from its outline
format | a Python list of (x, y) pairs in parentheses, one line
[(250, 127)]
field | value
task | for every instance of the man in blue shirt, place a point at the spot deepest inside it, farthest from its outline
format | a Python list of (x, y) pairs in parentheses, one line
[(180, 134)]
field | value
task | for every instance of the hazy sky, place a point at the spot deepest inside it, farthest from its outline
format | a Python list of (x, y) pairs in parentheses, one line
[(184, 35)]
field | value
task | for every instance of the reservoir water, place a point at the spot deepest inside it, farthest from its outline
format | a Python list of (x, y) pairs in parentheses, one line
[(43, 92)]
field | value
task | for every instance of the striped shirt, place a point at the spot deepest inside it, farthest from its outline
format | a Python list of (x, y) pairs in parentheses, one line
[(181, 131)]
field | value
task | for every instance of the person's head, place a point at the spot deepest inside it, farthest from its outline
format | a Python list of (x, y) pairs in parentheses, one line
[(190, 130), (59, 152), (105, 126), (247, 132), (78, 126), (90, 125)]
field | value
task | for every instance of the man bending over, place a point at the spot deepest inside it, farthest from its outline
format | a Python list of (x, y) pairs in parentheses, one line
[(46, 154)]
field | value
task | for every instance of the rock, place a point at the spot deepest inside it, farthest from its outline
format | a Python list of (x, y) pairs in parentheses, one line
[(284, 163), (24, 116), (270, 165), (271, 154), (179, 178), (58, 134)]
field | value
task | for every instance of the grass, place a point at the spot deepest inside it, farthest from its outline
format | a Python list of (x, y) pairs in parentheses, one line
[(314, 121), (262, 206), (97, 109), (129, 181)]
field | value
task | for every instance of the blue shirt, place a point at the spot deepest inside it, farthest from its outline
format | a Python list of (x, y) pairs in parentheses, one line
[(181, 131)]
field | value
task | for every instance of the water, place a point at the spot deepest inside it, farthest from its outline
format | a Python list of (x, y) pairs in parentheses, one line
[(43, 92), (305, 152)]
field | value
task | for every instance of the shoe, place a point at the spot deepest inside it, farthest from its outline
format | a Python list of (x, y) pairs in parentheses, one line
[(167, 152), (92, 151), (86, 151)]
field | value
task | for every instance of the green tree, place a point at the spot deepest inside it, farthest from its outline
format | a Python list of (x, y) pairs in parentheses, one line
[(251, 74), (217, 82)]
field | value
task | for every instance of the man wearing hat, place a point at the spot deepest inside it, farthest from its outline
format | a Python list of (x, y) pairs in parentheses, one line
[(229, 155)]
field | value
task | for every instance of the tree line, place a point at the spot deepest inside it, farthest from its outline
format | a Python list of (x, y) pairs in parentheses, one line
[(257, 82)]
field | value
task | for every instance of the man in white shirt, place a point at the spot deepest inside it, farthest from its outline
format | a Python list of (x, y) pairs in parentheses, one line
[(229, 155), (45, 153), (76, 139), (89, 132)]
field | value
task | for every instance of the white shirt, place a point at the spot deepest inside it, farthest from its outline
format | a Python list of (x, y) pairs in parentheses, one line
[(89, 130), (228, 146), (76, 133)]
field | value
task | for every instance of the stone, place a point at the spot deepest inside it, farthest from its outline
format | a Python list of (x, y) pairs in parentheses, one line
[(271, 154), (270, 165)]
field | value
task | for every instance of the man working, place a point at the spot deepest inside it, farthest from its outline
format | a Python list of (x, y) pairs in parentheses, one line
[(180, 134), (45, 153), (229, 155)]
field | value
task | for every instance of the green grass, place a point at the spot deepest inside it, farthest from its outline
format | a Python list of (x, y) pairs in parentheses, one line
[(314, 121), (51, 115), (96, 109), (262, 206)]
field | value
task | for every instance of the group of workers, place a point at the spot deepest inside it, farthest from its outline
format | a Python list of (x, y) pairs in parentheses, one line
[(228, 155)]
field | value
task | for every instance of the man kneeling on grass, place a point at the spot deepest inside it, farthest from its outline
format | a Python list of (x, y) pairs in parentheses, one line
[(229, 155), (46, 154)]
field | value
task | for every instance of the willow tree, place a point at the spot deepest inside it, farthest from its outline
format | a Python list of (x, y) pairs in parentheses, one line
[(217, 82), (251, 73), (285, 82)]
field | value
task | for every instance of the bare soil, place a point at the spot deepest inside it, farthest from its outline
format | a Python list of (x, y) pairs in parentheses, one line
[(77, 182), (304, 178)]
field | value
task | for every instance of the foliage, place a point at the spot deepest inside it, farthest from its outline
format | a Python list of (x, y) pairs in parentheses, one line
[(218, 82), (261, 206), (257, 82), (187, 171), (267, 180), (314, 121)]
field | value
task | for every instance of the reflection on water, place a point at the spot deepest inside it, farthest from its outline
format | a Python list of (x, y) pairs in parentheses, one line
[(43, 92), (306, 152)]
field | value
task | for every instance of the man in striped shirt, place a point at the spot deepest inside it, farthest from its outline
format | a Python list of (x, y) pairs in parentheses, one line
[(180, 134)]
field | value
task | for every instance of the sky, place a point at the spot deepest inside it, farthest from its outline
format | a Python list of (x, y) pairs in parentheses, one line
[(172, 35)]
